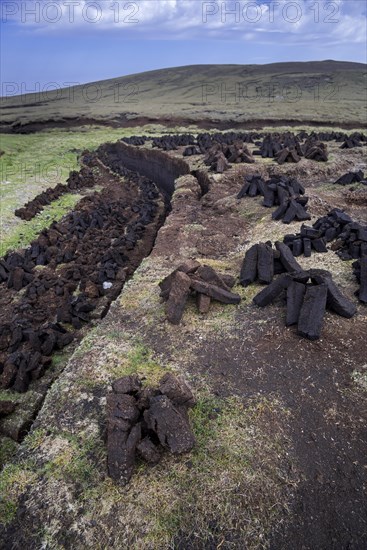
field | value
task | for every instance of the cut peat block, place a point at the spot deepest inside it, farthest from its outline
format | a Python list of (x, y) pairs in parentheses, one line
[(336, 301), (179, 292), (287, 258), (360, 271), (306, 301), (280, 191), (271, 292), (295, 295), (350, 177), (203, 303), (215, 292), (312, 312), (265, 264), (249, 266), (188, 267)]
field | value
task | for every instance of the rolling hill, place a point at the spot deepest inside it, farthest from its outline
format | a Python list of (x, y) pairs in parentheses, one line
[(324, 93)]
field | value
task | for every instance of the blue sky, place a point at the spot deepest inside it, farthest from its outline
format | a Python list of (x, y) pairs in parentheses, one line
[(78, 41)]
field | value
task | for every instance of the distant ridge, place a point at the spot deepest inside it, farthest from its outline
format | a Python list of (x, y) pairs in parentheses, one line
[(321, 92)]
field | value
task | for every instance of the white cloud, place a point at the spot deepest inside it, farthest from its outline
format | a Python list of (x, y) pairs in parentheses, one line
[(245, 20)]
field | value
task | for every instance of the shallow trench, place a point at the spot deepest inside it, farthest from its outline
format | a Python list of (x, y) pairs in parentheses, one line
[(135, 165)]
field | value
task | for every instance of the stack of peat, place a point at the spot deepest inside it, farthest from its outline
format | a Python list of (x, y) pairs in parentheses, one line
[(360, 271), (351, 177), (205, 140), (286, 193), (219, 156), (308, 294), (283, 147), (307, 240), (288, 154), (135, 140), (76, 181), (143, 421), (203, 281), (287, 148), (350, 237), (351, 142), (216, 160), (262, 262), (315, 150), (29, 363), (172, 142), (191, 150)]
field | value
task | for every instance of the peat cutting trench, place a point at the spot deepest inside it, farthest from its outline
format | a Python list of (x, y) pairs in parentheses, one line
[(72, 273)]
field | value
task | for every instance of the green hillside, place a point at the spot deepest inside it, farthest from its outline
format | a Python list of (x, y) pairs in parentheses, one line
[(325, 92)]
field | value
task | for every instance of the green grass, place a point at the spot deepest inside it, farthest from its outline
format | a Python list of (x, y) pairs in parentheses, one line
[(74, 462), (140, 361), (8, 447), (23, 234), (13, 481), (32, 163)]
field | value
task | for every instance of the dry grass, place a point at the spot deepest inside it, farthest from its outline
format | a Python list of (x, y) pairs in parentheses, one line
[(228, 491)]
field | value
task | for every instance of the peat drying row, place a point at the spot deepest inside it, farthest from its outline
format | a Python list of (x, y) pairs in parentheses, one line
[(75, 183), (219, 150), (68, 276), (223, 149)]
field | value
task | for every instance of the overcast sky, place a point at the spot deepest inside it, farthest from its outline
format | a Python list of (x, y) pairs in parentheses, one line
[(67, 41)]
